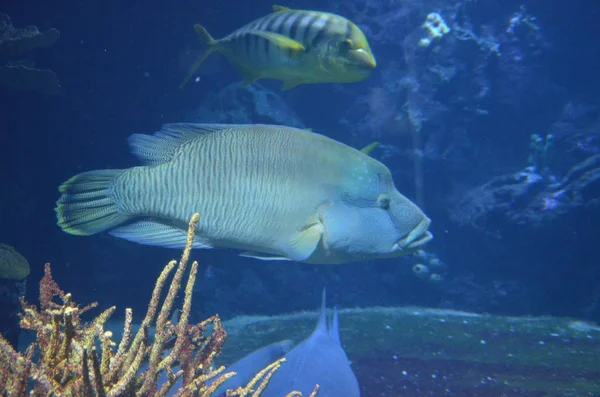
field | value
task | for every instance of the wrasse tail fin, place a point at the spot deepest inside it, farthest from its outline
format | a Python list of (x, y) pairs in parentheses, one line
[(208, 43), (86, 206)]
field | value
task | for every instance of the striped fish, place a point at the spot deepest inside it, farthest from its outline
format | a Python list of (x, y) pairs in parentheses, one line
[(295, 46), (278, 193)]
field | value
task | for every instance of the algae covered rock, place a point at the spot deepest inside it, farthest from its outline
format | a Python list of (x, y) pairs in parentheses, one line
[(416, 351), (18, 72), (21, 77), (13, 266), (253, 104)]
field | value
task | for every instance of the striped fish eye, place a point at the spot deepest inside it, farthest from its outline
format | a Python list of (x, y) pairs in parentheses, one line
[(347, 44)]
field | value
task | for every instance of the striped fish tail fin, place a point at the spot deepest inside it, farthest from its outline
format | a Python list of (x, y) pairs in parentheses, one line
[(87, 205), (208, 46)]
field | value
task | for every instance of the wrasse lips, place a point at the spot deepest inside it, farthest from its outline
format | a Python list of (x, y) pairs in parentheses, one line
[(416, 238)]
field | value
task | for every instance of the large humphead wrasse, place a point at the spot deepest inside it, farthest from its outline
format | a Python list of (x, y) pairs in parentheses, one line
[(276, 192), (295, 46)]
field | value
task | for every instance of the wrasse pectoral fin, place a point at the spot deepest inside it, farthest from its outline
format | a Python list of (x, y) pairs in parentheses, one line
[(304, 243)]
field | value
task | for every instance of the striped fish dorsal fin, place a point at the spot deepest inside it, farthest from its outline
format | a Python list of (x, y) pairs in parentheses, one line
[(277, 8), (161, 146)]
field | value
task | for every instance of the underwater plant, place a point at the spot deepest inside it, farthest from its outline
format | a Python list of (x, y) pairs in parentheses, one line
[(72, 358)]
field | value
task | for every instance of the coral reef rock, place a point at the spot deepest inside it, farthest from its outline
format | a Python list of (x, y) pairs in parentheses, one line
[(17, 70), (246, 105)]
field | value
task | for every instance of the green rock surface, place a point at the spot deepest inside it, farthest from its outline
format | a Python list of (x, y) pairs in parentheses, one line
[(428, 352)]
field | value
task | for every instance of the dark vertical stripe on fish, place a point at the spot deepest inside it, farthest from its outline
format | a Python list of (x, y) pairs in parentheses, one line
[(253, 42), (278, 21), (322, 32), (302, 27), (251, 26), (246, 44), (258, 48), (263, 45), (266, 48), (287, 23), (309, 28), (283, 27), (267, 23), (259, 23), (293, 31), (236, 41)]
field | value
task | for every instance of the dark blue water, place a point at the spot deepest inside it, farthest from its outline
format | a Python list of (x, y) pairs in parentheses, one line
[(506, 247)]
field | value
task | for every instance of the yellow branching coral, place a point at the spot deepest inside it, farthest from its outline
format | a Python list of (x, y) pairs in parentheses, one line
[(70, 358)]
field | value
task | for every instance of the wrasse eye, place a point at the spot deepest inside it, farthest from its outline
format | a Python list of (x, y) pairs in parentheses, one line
[(347, 44), (383, 201)]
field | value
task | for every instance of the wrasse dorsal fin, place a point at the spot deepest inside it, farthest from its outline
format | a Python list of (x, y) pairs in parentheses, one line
[(161, 146), (369, 148), (304, 243), (277, 8)]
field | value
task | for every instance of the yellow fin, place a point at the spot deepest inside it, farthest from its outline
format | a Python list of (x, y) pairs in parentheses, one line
[(289, 84), (249, 75), (281, 41), (203, 35), (300, 248), (77, 210), (208, 43), (249, 78), (304, 243), (277, 8), (369, 148)]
